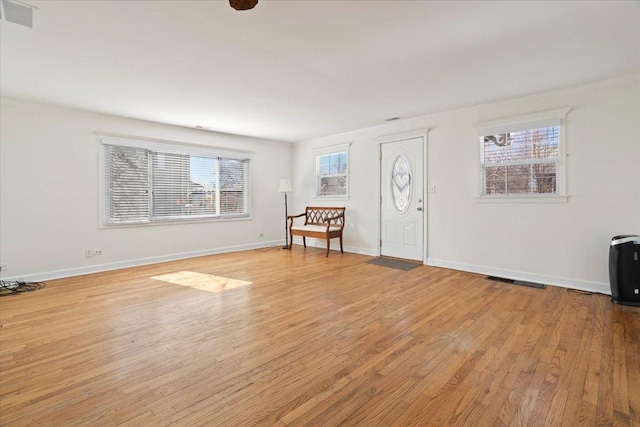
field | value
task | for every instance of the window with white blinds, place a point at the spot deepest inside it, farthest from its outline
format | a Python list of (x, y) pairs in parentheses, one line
[(522, 159), (522, 162), (144, 183), (332, 172), (127, 184)]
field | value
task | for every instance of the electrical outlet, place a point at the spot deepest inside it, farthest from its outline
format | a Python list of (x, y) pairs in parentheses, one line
[(431, 189), (261, 235), (3, 267), (97, 252), (89, 253)]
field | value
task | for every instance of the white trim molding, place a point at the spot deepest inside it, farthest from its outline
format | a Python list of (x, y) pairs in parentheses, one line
[(534, 198), (563, 282), (98, 268), (332, 197), (523, 121), (394, 137), (167, 146), (330, 149), (321, 244)]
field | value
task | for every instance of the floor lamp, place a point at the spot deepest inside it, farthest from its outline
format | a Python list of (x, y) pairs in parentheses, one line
[(285, 187)]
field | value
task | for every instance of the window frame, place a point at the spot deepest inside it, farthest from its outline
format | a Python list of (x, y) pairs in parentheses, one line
[(325, 151), (168, 147), (556, 117)]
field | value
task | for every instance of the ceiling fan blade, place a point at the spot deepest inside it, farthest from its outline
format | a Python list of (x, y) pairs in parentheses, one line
[(243, 4)]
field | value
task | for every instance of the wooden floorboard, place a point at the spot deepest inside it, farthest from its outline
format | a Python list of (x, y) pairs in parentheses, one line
[(312, 340)]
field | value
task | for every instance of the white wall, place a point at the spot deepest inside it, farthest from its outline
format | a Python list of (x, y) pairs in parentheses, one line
[(556, 243), (49, 195)]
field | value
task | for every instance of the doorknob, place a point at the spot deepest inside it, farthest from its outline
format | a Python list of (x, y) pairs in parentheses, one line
[(419, 208)]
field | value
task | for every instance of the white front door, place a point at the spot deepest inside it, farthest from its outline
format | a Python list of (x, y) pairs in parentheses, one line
[(402, 203)]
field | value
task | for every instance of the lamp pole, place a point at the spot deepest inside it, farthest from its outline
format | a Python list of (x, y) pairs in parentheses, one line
[(286, 214), (285, 187)]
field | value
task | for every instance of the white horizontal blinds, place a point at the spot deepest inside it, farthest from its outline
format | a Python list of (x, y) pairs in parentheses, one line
[(147, 182), (126, 184), (521, 162), (332, 175), (183, 186), (233, 187)]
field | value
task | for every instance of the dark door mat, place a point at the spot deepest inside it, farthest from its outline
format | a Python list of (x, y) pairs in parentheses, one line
[(394, 263), (516, 282)]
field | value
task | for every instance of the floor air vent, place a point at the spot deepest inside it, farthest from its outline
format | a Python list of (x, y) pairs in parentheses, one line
[(516, 282)]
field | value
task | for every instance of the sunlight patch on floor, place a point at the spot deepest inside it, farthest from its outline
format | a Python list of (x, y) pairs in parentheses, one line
[(204, 282)]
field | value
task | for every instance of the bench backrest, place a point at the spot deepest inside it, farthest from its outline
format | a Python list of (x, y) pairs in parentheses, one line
[(315, 215)]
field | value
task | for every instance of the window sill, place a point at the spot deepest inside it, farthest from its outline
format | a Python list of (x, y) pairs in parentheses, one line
[(174, 222), (344, 197), (523, 199)]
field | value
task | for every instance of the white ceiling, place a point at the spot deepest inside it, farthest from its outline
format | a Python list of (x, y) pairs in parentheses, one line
[(295, 70)]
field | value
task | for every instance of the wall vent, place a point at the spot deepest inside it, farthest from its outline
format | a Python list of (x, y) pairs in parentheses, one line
[(516, 282), (16, 12)]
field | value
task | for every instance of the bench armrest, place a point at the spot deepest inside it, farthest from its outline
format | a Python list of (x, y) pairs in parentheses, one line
[(290, 218)]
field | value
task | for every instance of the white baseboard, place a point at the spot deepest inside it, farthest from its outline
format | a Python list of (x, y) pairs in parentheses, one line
[(490, 271), (360, 251), (563, 282), (97, 268), (314, 243)]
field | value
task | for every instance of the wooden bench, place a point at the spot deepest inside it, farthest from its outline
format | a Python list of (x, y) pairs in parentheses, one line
[(320, 222)]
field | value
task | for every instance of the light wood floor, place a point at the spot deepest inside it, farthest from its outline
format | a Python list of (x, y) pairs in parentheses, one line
[(314, 340)]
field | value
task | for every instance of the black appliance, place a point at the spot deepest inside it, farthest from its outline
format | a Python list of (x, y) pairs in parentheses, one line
[(624, 269)]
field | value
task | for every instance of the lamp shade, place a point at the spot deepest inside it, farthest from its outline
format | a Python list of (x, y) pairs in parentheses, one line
[(285, 186)]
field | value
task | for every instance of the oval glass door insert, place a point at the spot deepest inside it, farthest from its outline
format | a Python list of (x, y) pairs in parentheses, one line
[(401, 183)]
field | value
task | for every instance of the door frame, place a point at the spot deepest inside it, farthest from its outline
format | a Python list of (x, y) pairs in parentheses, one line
[(396, 137)]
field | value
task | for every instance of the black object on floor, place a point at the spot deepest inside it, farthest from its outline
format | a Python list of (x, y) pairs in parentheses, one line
[(394, 263), (18, 287), (624, 269), (516, 282)]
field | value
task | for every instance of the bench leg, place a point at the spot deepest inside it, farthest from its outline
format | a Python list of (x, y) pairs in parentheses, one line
[(341, 250), (328, 245), (290, 240), (304, 241)]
